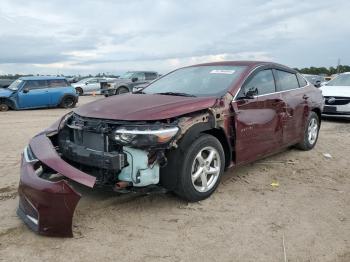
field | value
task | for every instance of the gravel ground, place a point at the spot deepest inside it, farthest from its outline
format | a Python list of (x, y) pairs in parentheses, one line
[(247, 219)]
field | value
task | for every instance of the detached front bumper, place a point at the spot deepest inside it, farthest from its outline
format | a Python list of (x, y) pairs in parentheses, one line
[(46, 206)]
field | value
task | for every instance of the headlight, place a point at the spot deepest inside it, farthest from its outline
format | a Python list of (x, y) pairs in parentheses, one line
[(142, 138), (64, 120)]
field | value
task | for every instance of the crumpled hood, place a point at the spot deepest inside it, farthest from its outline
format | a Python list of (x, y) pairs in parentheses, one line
[(140, 107), (5, 92), (343, 91)]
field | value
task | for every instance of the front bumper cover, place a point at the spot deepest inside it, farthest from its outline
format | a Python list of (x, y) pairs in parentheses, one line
[(47, 207)]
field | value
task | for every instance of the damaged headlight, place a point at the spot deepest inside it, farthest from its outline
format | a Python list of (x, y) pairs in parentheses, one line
[(140, 138)]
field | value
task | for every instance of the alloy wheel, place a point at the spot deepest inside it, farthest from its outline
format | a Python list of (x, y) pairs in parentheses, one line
[(312, 131), (205, 169)]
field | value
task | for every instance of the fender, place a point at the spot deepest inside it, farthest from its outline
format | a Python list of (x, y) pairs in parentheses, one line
[(10, 101)]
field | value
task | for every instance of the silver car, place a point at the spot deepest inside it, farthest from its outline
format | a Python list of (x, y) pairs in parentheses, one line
[(91, 85)]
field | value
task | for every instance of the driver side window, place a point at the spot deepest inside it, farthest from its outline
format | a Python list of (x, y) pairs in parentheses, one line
[(92, 81), (262, 83), (35, 84)]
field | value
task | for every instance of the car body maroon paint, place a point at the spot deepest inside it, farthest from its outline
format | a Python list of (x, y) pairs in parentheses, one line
[(149, 107), (248, 121)]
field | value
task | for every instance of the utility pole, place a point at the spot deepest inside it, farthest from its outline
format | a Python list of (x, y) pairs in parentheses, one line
[(338, 67)]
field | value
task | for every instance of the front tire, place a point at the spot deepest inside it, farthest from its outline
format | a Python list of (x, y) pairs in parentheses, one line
[(311, 132), (4, 107), (203, 164), (79, 91), (122, 90)]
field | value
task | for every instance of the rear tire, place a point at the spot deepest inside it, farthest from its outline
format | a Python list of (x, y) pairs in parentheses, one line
[(68, 102), (203, 164), (4, 107), (79, 91), (311, 132)]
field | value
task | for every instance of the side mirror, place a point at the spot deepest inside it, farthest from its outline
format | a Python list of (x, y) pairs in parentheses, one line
[(251, 93), (86, 83), (25, 90), (318, 84), (134, 79)]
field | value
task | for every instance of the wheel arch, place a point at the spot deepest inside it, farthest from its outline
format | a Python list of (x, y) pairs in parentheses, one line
[(123, 86), (65, 96), (168, 175), (8, 101), (318, 112), (79, 88), (220, 135)]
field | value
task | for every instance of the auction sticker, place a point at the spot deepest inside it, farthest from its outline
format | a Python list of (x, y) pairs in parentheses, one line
[(222, 71)]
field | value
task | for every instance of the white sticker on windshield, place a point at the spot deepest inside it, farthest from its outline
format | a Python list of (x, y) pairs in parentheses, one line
[(222, 71)]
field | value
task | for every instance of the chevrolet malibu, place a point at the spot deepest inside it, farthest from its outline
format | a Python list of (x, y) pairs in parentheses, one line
[(178, 134)]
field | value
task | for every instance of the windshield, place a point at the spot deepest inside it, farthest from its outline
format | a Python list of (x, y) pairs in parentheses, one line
[(197, 81), (15, 85), (341, 80), (127, 75)]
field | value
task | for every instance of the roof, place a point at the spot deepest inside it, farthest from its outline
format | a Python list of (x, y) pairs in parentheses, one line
[(141, 71), (249, 64), (41, 77), (235, 63)]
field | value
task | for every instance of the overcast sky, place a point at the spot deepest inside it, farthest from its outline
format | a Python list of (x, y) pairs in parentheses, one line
[(81, 37)]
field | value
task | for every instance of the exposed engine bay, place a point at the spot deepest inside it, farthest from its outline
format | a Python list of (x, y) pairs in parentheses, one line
[(118, 154)]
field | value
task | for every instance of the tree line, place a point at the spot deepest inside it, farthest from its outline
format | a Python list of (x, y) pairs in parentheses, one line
[(324, 70)]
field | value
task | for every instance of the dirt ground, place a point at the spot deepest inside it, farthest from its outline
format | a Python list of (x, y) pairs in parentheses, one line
[(247, 219)]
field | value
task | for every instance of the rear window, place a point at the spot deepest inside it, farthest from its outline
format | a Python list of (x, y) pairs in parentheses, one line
[(286, 81), (58, 83)]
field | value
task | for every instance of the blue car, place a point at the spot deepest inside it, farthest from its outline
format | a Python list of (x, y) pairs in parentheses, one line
[(38, 92)]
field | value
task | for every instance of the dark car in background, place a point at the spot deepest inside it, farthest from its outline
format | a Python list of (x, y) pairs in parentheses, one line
[(126, 82), (38, 92), (178, 134), (5, 82)]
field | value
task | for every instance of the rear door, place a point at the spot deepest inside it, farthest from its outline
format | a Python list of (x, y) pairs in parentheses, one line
[(295, 99), (34, 94), (258, 119), (57, 89)]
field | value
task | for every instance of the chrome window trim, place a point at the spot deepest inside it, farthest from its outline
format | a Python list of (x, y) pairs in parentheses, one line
[(245, 79), (277, 92)]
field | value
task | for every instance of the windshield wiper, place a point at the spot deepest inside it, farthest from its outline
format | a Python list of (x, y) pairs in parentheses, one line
[(176, 94)]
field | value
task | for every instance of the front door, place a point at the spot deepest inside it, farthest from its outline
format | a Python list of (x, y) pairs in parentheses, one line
[(34, 93), (258, 118)]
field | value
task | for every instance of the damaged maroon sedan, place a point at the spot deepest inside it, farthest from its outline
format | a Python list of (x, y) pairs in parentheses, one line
[(178, 134)]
